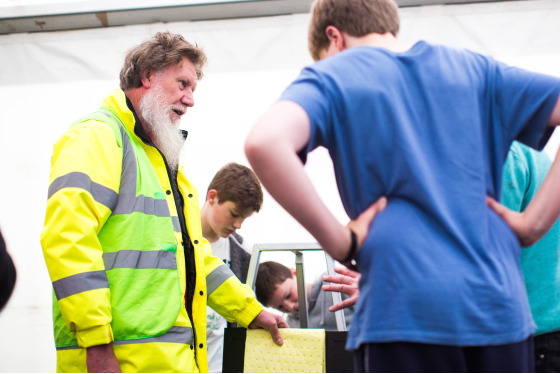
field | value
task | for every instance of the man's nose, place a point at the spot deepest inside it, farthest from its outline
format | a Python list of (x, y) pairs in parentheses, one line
[(188, 98)]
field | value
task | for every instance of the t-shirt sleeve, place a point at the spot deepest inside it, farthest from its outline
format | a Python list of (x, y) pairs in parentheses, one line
[(516, 177), (525, 101), (310, 93)]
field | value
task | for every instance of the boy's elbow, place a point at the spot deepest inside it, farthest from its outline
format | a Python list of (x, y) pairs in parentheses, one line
[(258, 142), (252, 147)]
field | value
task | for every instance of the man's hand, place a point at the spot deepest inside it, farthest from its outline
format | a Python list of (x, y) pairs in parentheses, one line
[(271, 322), (526, 233), (346, 283), (102, 359)]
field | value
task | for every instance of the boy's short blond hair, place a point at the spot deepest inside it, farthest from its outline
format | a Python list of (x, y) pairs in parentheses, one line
[(355, 17)]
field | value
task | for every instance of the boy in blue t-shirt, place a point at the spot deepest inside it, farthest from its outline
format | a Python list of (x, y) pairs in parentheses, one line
[(428, 127)]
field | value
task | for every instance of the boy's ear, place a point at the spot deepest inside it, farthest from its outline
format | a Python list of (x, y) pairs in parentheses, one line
[(293, 271), (336, 36), (212, 196)]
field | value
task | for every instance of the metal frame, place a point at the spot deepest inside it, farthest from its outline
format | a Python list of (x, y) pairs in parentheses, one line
[(58, 15), (297, 249)]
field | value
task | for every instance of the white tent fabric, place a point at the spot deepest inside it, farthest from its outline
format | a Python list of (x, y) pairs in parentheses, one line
[(48, 80)]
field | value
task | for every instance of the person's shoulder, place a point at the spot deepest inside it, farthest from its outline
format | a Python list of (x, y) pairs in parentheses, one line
[(521, 153), (457, 54), (90, 125), (86, 132)]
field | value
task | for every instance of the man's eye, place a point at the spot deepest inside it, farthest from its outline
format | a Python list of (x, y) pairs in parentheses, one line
[(183, 84)]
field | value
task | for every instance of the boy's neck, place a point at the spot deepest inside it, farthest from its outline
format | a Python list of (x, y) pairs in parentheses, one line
[(387, 41)]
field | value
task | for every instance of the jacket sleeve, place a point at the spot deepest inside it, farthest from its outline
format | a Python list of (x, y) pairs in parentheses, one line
[(83, 189), (232, 299)]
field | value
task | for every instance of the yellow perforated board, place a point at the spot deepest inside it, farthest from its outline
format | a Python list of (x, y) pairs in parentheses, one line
[(303, 351)]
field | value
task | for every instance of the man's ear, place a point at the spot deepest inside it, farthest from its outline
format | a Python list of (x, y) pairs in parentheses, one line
[(147, 78), (212, 196), (336, 36)]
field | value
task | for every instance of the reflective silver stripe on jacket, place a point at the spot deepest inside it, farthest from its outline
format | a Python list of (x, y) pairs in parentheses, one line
[(176, 224), (141, 203), (218, 276), (134, 259), (176, 334), (78, 283), (128, 202), (125, 202), (103, 195)]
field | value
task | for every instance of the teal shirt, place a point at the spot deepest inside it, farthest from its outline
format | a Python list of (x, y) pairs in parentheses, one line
[(523, 174)]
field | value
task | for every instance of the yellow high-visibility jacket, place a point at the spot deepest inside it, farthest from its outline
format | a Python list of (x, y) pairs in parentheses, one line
[(113, 247)]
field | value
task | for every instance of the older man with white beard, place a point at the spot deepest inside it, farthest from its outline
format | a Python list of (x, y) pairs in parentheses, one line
[(122, 239)]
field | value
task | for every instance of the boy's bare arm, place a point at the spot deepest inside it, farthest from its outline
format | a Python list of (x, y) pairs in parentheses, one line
[(544, 209), (554, 119), (271, 149)]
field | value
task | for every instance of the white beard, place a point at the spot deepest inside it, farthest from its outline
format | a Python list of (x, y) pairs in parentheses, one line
[(163, 131)]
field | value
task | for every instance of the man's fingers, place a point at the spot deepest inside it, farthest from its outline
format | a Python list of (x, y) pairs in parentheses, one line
[(272, 323), (283, 325), (275, 333)]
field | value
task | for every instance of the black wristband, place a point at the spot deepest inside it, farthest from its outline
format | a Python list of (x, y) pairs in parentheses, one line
[(353, 248)]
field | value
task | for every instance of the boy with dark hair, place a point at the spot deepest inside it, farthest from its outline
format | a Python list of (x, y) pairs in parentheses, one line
[(233, 195), (269, 276), (439, 268), (276, 287)]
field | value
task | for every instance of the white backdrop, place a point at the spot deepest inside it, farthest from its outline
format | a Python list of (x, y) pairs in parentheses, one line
[(48, 80)]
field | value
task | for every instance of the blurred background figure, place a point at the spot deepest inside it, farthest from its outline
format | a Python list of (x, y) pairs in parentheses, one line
[(524, 172), (7, 274)]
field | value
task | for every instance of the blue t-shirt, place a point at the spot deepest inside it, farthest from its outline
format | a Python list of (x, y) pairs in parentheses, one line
[(430, 129), (524, 172)]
